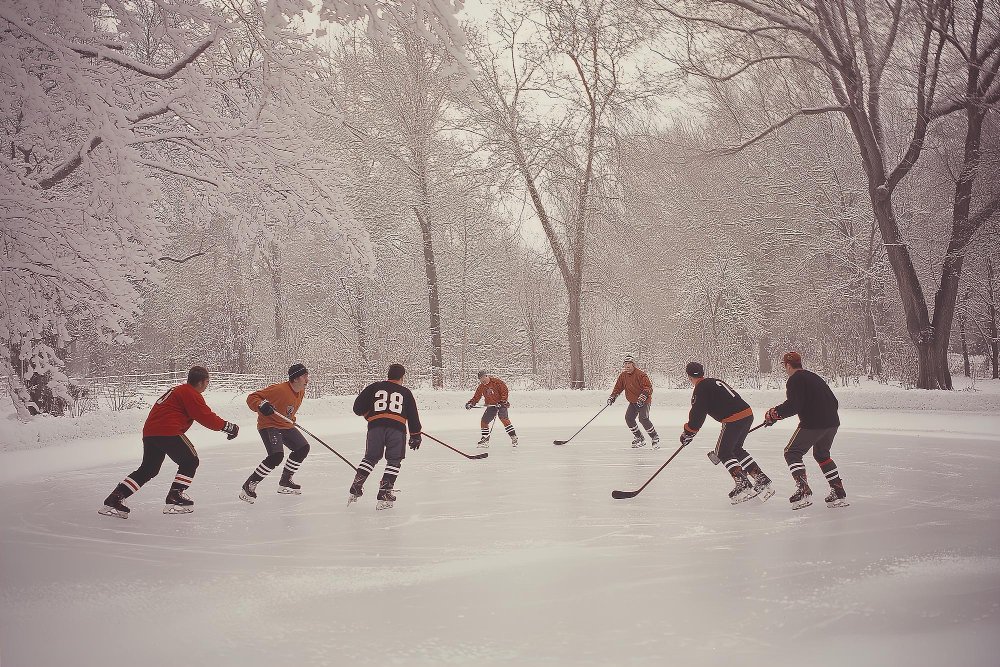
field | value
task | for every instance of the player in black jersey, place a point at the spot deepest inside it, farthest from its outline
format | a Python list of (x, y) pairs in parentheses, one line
[(811, 399), (389, 408), (715, 398)]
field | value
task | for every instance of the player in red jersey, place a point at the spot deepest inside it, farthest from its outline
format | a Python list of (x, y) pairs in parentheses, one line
[(162, 436)]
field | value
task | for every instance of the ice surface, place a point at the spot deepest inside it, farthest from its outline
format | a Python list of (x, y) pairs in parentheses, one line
[(520, 559)]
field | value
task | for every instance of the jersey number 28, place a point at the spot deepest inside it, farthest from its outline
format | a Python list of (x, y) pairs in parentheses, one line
[(385, 401)]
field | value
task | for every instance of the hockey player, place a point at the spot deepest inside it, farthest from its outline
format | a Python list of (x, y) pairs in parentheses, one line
[(716, 398), (277, 433), (811, 399), (162, 436), (639, 393), (493, 390), (389, 408)]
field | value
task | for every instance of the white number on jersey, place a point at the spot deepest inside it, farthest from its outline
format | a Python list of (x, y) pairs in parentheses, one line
[(386, 401), (726, 387)]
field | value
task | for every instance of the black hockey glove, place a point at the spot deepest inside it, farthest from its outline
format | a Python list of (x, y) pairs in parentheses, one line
[(771, 417), (415, 439), (503, 404), (612, 398), (265, 408), (641, 400), (686, 438), (231, 430), (469, 405)]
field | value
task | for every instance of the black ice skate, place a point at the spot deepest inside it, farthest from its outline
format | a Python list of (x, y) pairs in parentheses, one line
[(742, 492), (513, 441), (837, 497), (385, 497), (249, 492), (655, 442), (113, 506), (762, 485), (178, 503), (286, 485), (357, 489), (802, 496), (484, 442), (638, 442)]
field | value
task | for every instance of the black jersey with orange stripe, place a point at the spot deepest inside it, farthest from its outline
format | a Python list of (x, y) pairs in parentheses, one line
[(718, 400), (388, 403)]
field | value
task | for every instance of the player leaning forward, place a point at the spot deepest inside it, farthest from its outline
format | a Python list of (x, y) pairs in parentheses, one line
[(389, 408), (715, 398), (812, 400), (276, 406), (162, 436), (639, 394)]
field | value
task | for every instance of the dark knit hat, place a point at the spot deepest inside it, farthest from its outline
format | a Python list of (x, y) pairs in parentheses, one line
[(296, 370), (695, 370), (793, 359), (482, 374)]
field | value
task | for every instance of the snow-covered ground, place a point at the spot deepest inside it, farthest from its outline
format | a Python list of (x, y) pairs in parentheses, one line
[(520, 559)]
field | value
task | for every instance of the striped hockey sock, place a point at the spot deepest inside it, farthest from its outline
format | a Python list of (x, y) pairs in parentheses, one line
[(389, 476), (291, 466), (262, 471), (485, 432), (510, 430), (127, 487), (750, 466), (829, 469), (181, 482)]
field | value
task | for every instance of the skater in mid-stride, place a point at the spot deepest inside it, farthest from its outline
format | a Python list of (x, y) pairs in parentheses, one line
[(494, 392), (639, 394), (390, 410), (715, 398), (278, 431), (813, 401), (163, 436)]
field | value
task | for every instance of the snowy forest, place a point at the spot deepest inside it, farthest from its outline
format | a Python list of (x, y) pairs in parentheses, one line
[(534, 188)]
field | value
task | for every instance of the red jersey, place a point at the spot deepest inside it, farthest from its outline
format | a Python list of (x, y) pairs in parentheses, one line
[(176, 410), (494, 391), (634, 383)]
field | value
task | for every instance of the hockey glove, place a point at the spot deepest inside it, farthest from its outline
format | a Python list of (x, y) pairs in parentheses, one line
[(415, 441), (612, 398), (469, 405), (265, 408), (641, 400), (231, 430), (686, 438), (771, 417), (503, 404)]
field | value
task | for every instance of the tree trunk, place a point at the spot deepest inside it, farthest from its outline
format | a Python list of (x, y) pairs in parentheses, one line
[(932, 367), (965, 348), (764, 355), (433, 301), (994, 341), (575, 329), (279, 297)]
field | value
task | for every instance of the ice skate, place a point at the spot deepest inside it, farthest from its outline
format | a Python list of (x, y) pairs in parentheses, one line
[(356, 490), (638, 442), (837, 497), (742, 492), (286, 485), (113, 506), (385, 498), (249, 492), (762, 485), (802, 497), (513, 441), (178, 503), (484, 442), (655, 442)]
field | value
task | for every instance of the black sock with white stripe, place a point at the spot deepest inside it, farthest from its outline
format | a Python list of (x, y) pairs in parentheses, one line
[(750, 466), (830, 471), (260, 472), (389, 476), (636, 432), (510, 430)]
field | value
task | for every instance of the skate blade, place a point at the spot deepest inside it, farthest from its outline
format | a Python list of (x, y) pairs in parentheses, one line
[(765, 493), (743, 497), (638, 446), (245, 498), (111, 511), (288, 490), (384, 505), (801, 504), (177, 509), (840, 502), (352, 499)]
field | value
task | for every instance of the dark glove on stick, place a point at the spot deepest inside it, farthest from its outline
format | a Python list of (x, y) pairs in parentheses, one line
[(686, 438), (231, 430), (469, 405), (612, 398), (415, 440), (771, 417), (641, 401), (265, 408)]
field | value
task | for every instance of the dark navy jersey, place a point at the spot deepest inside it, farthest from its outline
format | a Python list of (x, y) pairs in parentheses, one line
[(717, 399), (811, 399), (388, 403)]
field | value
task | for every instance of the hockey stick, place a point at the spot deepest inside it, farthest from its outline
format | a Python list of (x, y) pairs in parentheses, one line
[(618, 495), (563, 442), (468, 456), (714, 458), (302, 428)]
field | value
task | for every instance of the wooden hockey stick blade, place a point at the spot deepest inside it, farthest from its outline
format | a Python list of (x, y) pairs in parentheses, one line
[(559, 442), (478, 456), (618, 495)]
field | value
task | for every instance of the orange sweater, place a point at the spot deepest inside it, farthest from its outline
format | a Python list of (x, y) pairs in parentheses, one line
[(634, 383), (284, 400), (494, 391)]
